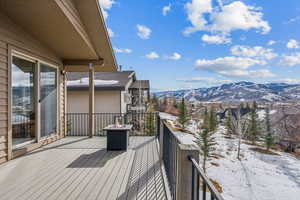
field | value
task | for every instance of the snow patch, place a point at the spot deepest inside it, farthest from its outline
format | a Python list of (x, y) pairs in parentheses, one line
[(85, 82)]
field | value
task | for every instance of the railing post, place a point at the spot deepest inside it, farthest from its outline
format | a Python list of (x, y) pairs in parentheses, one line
[(161, 138), (185, 171)]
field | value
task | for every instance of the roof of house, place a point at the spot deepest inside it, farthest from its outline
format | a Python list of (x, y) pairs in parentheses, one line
[(143, 84), (103, 80), (74, 30)]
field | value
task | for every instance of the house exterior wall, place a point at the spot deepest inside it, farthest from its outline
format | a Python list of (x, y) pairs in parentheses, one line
[(14, 38), (105, 101)]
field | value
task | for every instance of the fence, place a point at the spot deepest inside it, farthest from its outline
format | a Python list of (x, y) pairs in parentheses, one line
[(200, 179), (144, 123), (186, 179)]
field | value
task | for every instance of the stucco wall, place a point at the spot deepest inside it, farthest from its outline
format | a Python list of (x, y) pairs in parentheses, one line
[(105, 101)]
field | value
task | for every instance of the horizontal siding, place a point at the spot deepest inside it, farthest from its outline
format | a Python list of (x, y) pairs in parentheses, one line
[(3, 51), (3, 101)]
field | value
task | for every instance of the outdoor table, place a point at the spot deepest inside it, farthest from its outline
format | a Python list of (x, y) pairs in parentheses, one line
[(117, 137)]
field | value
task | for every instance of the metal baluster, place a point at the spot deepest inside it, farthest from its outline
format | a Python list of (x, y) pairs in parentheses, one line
[(212, 196), (193, 182), (204, 190), (198, 186)]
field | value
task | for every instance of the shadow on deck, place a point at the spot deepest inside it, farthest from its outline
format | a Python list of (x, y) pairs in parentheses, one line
[(81, 168)]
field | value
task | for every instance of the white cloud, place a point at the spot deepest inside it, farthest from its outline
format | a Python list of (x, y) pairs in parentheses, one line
[(196, 10), (293, 44), (119, 50), (257, 51), (289, 81), (249, 74), (174, 56), (106, 5), (224, 18), (290, 60), (209, 80), (236, 67), (238, 15), (215, 39), (166, 9), (271, 42), (293, 20), (110, 32), (152, 55), (143, 31)]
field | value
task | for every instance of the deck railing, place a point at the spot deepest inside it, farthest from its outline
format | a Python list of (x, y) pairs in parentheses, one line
[(144, 123), (199, 178), (169, 155), (185, 177)]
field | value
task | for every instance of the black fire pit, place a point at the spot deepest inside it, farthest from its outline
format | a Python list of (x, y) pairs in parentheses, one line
[(117, 137)]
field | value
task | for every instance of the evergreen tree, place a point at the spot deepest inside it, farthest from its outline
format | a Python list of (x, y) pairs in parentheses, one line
[(205, 124), (155, 102), (228, 124), (183, 114), (253, 130), (254, 106), (212, 119), (269, 137), (206, 144), (242, 105), (150, 122), (175, 104), (247, 106)]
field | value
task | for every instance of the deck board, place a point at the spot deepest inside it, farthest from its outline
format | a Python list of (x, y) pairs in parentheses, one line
[(81, 168)]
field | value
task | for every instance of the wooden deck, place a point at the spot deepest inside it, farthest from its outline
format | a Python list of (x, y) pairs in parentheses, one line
[(81, 168)]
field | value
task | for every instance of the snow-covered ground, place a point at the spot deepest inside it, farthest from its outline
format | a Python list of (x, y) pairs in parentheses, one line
[(262, 113), (256, 177)]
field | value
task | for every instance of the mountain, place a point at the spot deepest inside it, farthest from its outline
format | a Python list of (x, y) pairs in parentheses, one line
[(240, 91)]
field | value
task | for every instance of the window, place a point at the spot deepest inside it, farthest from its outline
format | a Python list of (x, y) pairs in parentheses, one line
[(48, 99)]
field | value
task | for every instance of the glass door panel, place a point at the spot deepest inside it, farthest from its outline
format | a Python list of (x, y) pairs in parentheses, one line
[(23, 102), (48, 100)]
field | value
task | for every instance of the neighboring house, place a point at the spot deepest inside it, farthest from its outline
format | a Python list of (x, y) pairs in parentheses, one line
[(39, 42), (115, 92), (111, 91), (140, 93)]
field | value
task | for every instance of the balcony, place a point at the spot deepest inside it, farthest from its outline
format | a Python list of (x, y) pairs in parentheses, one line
[(155, 166), (81, 168)]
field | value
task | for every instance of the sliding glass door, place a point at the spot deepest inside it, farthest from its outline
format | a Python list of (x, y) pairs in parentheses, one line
[(23, 101), (48, 100)]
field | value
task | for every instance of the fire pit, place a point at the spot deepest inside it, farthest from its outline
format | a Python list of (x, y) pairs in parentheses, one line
[(117, 137)]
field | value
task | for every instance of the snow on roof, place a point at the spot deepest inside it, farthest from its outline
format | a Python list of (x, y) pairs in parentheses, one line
[(85, 82)]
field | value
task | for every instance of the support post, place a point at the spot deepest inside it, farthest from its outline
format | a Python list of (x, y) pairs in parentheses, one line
[(91, 100), (161, 138), (148, 95), (185, 170)]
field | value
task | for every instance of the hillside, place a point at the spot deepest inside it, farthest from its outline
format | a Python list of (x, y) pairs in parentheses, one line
[(240, 91), (257, 176)]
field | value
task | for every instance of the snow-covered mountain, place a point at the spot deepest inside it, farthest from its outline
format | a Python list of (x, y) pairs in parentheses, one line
[(240, 91)]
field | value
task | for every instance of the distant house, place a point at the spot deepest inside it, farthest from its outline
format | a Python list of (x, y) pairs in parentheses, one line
[(234, 112), (115, 92)]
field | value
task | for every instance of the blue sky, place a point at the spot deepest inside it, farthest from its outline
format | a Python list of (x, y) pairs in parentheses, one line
[(180, 44)]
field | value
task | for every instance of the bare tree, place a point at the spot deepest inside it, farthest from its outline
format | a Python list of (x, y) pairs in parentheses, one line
[(239, 125), (287, 127)]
